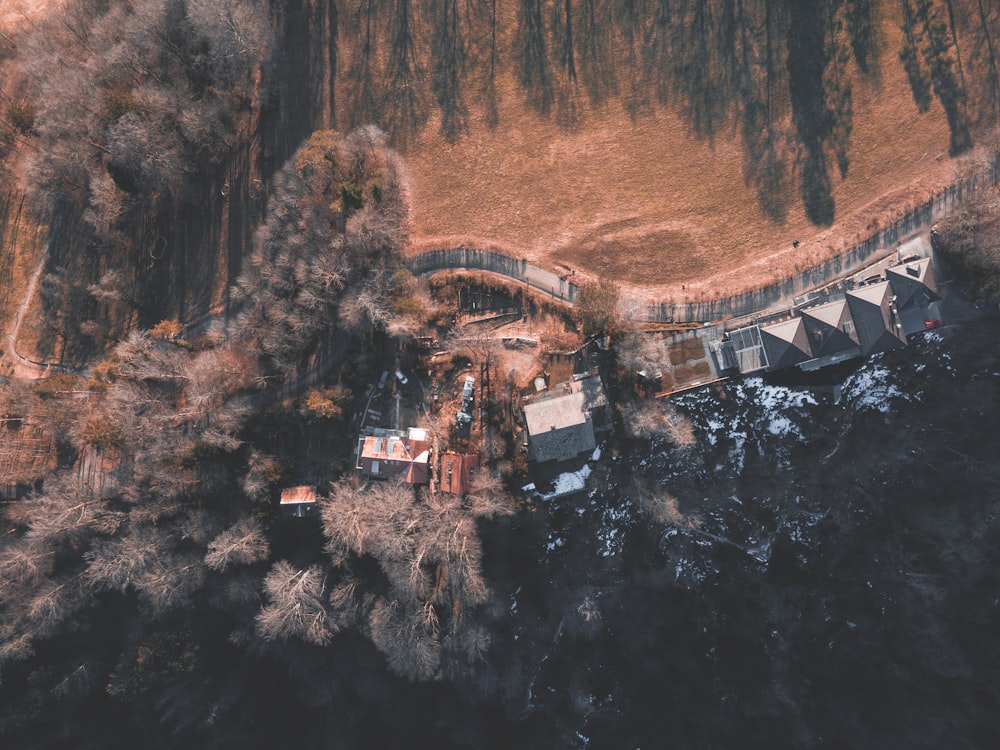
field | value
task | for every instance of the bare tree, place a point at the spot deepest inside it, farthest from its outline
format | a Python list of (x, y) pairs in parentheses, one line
[(295, 606), (243, 543), (116, 564), (169, 582), (411, 647), (487, 497)]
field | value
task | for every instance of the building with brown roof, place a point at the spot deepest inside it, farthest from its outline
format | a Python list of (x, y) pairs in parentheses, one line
[(830, 328), (913, 283), (786, 343), (395, 456), (298, 502), (457, 471), (875, 320)]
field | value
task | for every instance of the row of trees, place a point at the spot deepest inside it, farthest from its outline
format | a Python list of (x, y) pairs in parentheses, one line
[(424, 616), (128, 99), (129, 107), (967, 242)]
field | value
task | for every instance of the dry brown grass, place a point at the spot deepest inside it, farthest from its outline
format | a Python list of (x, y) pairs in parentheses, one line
[(28, 454), (646, 203), (686, 349), (692, 372), (14, 13)]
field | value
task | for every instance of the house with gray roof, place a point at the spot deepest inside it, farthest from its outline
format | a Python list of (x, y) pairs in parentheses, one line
[(913, 283), (873, 314), (565, 421), (875, 318), (830, 328), (786, 343)]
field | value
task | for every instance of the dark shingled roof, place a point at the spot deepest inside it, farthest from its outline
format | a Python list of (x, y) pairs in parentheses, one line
[(874, 318), (913, 283), (787, 343), (830, 328), (562, 423)]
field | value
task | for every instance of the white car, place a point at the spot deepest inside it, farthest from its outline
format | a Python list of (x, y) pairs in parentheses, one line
[(470, 383), (403, 380)]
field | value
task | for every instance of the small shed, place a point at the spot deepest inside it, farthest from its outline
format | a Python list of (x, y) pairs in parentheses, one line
[(298, 502)]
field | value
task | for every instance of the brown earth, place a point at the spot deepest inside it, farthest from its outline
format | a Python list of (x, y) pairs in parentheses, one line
[(646, 203), (14, 13)]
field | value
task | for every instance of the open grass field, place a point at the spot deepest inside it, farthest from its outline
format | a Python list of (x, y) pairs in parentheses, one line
[(646, 203)]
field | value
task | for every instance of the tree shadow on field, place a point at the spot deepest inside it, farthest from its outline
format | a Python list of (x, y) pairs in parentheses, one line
[(807, 60), (535, 68), (448, 70), (815, 188)]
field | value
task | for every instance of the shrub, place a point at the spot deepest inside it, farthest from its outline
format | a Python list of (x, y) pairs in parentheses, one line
[(101, 433)]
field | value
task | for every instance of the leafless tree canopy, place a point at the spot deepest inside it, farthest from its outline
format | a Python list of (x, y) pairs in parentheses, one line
[(428, 549), (334, 226), (295, 606)]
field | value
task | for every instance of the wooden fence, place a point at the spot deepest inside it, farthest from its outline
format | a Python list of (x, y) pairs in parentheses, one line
[(880, 243)]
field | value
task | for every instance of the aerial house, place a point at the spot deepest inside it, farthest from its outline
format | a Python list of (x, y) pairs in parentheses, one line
[(396, 456)]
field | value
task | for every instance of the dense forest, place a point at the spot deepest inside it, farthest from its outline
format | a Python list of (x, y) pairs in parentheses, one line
[(234, 167)]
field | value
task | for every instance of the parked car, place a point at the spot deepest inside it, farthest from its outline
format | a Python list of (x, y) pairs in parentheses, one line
[(470, 384), (932, 323), (382, 379), (403, 380)]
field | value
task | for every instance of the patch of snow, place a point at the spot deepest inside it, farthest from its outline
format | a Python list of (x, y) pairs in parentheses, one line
[(568, 482), (737, 454), (869, 390), (777, 396), (782, 426)]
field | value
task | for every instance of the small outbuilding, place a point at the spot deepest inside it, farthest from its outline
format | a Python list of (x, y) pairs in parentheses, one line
[(298, 502), (457, 472)]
